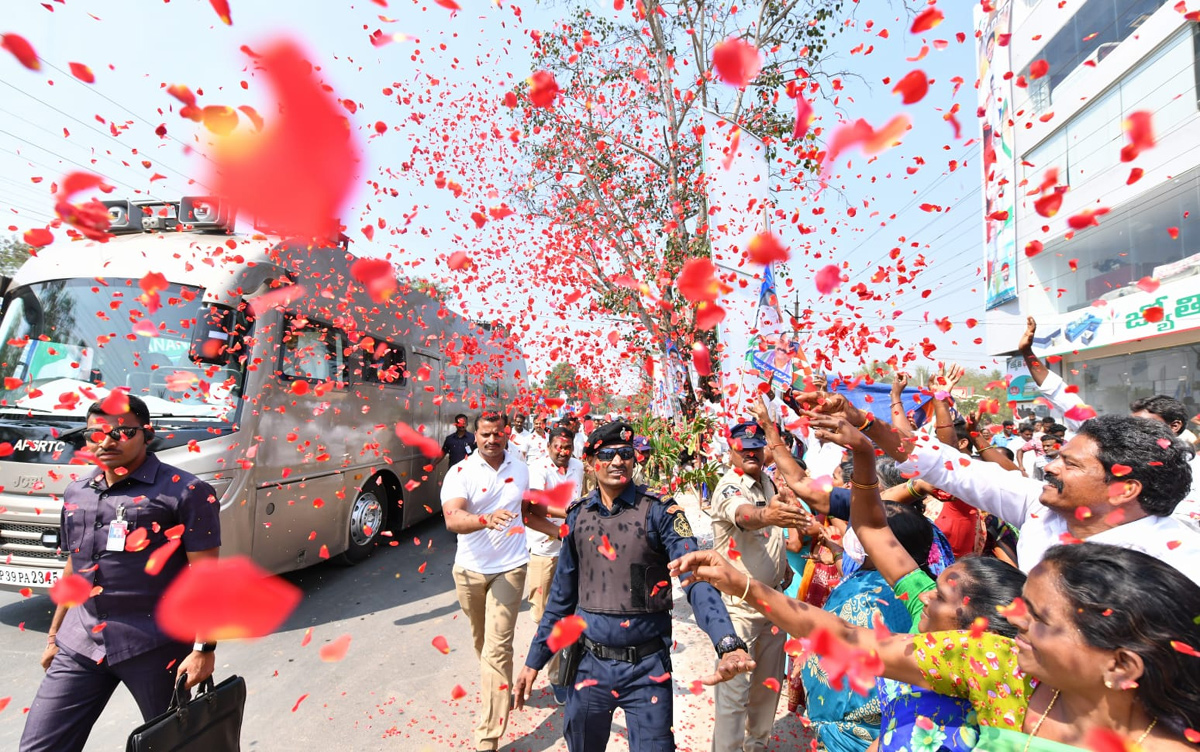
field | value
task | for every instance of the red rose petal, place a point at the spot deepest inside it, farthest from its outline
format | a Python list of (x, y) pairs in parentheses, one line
[(926, 20), (828, 278), (222, 9), (425, 445), (913, 87), (83, 73), (543, 89), (71, 591), (440, 643), (38, 237), (737, 62), (566, 632), (336, 650), (296, 175), (765, 248), (227, 598), (377, 275), (22, 50)]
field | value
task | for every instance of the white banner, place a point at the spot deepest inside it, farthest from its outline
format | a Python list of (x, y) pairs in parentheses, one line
[(737, 184)]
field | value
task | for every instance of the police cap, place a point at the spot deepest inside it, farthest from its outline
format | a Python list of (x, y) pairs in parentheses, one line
[(609, 434), (747, 435)]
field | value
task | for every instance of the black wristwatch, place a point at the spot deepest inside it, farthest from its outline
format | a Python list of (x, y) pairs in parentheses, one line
[(730, 643), (204, 647)]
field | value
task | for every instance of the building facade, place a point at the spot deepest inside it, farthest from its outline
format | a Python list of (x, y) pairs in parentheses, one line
[(1112, 276)]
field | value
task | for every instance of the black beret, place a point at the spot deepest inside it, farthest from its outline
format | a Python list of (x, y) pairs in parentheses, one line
[(609, 434)]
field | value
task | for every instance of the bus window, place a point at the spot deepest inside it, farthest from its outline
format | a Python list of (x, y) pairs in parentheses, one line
[(313, 351), (385, 364)]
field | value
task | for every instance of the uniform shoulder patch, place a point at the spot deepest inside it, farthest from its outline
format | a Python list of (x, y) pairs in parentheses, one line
[(730, 491), (682, 527)]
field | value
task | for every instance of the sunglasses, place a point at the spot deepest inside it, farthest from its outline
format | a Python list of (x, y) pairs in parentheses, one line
[(608, 454), (123, 433)]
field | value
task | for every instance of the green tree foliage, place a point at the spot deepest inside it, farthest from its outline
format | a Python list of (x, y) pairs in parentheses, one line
[(615, 164), (13, 253)]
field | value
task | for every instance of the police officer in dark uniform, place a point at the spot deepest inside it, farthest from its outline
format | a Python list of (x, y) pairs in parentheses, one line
[(612, 571)]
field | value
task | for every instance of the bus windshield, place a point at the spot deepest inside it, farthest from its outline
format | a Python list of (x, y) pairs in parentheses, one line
[(65, 343)]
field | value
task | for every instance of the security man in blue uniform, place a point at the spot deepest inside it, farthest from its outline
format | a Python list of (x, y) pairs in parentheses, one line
[(113, 637), (612, 571)]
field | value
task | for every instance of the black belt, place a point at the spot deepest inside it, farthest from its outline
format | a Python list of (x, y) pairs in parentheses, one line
[(629, 654)]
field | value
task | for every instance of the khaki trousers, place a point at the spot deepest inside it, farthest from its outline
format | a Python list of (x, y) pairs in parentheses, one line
[(491, 603), (537, 585), (745, 706)]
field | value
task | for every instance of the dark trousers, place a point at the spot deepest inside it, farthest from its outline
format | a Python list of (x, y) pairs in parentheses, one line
[(76, 689), (647, 703)]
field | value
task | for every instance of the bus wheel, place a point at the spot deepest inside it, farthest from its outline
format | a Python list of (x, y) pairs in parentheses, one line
[(368, 516)]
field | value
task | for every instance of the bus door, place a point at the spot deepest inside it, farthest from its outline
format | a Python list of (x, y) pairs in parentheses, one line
[(422, 495), (306, 433)]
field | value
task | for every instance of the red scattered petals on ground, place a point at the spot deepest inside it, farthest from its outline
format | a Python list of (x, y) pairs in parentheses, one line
[(336, 650)]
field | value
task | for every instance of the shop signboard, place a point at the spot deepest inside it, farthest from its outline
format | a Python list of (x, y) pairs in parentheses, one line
[(1173, 307)]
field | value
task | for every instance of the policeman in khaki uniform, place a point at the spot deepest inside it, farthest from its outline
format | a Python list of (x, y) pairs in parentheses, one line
[(613, 572), (748, 520)]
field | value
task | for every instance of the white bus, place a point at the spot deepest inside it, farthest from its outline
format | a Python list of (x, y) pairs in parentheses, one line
[(269, 372)]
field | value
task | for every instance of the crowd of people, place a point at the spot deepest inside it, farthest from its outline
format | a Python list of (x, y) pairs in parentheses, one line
[(1013, 586), (1020, 586)]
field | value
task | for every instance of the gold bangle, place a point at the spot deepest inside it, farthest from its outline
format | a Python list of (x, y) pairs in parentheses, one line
[(749, 579), (865, 486), (867, 423)]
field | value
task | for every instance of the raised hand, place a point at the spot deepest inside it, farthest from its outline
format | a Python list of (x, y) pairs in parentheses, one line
[(838, 430), (1025, 345)]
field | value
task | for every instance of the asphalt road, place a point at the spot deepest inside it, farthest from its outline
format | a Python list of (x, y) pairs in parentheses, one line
[(393, 688)]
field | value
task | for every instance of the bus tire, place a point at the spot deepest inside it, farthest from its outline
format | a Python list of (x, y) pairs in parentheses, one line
[(369, 511)]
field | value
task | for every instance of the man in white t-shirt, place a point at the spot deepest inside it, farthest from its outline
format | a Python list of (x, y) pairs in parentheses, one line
[(518, 440), (552, 471), (483, 498), (538, 440)]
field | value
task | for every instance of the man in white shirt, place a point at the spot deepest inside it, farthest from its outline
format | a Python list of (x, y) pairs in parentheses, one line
[(1174, 415), (518, 441), (552, 471), (1116, 482), (483, 498), (538, 440), (1167, 410)]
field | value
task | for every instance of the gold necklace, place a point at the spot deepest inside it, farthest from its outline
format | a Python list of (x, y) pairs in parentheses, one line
[(1038, 726)]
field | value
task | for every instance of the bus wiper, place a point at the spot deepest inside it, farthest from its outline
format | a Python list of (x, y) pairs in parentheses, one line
[(28, 411)]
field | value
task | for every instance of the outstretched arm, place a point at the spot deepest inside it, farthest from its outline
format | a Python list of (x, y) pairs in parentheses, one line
[(801, 619), (899, 413), (793, 476), (868, 516)]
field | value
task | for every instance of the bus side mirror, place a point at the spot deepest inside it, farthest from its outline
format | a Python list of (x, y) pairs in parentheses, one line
[(213, 335)]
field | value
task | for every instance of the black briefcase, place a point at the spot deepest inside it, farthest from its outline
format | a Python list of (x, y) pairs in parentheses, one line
[(211, 722)]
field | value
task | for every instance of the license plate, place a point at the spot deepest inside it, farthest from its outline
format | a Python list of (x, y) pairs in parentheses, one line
[(28, 576)]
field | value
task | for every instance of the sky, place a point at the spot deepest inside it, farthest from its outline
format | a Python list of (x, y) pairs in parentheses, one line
[(52, 123)]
